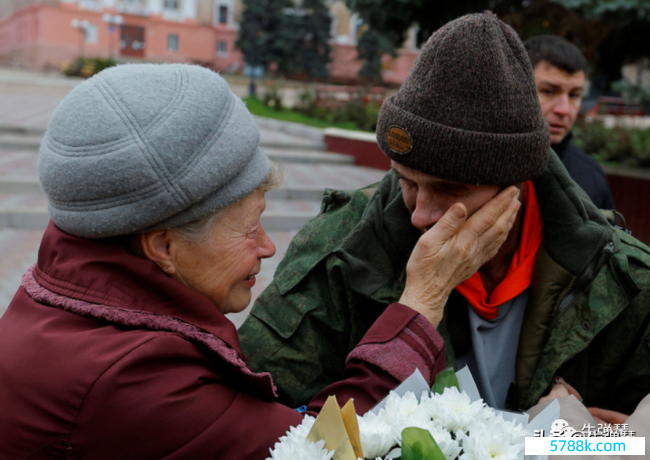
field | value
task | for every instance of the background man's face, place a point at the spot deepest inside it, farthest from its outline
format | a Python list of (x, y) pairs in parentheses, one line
[(560, 94), (429, 197)]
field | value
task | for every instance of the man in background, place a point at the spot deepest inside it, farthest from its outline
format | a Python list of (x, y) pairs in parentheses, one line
[(559, 68)]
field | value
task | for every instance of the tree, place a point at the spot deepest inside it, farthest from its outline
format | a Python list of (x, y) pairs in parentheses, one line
[(609, 32), (628, 34), (618, 10), (371, 46), (389, 20), (295, 39), (265, 36), (315, 51)]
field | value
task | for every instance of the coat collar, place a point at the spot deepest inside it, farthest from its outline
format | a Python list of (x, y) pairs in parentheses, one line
[(101, 279)]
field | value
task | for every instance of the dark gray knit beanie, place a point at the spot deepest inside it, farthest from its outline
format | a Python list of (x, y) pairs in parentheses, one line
[(468, 111), (143, 147)]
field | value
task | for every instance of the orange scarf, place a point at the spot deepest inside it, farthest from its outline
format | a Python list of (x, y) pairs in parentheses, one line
[(521, 268)]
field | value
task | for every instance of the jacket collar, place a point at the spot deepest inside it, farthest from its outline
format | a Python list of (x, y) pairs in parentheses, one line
[(101, 279), (102, 271), (562, 146)]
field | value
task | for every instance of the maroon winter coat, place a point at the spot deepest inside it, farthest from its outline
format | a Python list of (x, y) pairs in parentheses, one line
[(102, 356)]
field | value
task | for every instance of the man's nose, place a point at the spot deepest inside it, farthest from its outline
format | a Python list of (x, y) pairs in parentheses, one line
[(563, 106), (426, 214)]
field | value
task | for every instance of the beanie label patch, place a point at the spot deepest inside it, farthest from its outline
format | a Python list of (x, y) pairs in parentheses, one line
[(399, 141)]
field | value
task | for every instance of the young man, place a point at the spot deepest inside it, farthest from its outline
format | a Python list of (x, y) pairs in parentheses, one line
[(559, 68), (567, 294)]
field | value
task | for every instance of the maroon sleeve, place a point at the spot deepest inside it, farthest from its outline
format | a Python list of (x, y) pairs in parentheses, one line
[(399, 342), (166, 400)]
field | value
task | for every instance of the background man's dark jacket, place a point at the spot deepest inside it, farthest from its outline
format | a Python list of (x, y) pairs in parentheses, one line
[(586, 172)]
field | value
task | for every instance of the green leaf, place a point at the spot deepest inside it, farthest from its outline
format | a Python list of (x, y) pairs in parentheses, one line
[(418, 444), (445, 379)]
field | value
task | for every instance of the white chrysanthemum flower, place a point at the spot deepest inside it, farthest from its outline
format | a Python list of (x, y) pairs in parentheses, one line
[(455, 410), (393, 454), (300, 449), (304, 428), (402, 412), (404, 407), (484, 442), (450, 447), (376, 435), (296, 446)]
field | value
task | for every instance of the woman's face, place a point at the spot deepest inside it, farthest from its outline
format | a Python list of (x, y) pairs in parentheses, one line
[(224, 266)]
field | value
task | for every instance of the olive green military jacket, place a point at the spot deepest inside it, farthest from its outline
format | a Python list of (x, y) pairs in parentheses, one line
[(587, 320)]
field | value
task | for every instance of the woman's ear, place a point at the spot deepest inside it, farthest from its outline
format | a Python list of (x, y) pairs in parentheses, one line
[(157, 246)]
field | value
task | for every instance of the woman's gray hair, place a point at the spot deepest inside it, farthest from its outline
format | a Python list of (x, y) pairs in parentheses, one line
[(199, 230)]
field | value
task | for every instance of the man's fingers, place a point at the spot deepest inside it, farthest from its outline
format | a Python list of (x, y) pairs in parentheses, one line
[(494, 237), (490, 213), (449, 224), (608, 416)]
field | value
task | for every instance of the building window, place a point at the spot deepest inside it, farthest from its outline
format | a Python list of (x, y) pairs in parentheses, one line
[(172, 42), (171, 4), (132, 41), (222, 48), (90, 33), (223, 14)]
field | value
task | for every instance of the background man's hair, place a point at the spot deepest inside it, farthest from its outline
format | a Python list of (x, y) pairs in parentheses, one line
[(556, 51)]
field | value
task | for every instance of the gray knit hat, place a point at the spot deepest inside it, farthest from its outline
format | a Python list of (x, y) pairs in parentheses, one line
[(468, 111), (144, 147)]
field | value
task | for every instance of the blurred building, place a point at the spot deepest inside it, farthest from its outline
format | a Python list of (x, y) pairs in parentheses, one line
[(346, 29), (42, 34)]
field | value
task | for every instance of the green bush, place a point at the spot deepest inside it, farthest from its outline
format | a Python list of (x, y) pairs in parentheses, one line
[(359, 113), (86, 67), (357, 110), (273, 98), (625, 146)]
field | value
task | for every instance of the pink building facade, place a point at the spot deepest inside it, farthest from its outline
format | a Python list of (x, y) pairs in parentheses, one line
[(43, 36)]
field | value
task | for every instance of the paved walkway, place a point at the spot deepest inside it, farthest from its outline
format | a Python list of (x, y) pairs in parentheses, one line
[(27, 102)]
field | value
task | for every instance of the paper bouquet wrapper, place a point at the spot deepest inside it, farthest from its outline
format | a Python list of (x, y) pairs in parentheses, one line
[(340, 430)]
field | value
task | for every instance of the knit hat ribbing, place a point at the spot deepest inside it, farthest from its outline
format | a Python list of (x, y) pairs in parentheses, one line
[(468, 110), (142, 147)]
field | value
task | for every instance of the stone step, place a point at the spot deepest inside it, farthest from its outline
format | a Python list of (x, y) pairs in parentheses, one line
[(307, 156), (21, 130), (10, 140), (30, 185), (28, 211), (287, 151)]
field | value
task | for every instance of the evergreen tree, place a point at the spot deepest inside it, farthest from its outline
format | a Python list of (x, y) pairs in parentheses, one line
[(314, 56), (371, 46), (609, 32), (296, 39), (265, 35)]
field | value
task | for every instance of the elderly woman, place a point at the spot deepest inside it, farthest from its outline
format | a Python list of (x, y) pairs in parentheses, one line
[(116, 345)]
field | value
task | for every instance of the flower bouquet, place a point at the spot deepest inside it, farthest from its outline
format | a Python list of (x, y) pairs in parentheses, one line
[(439, 424)]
